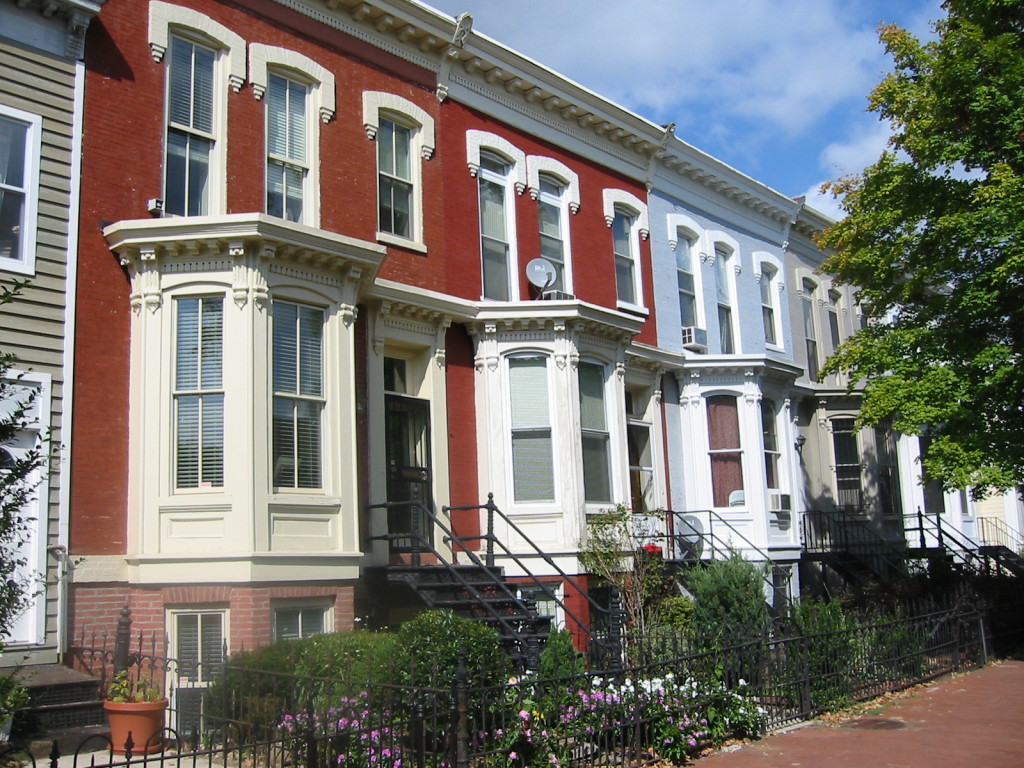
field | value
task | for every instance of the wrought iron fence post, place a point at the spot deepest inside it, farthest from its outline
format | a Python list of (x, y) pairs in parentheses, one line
[(462, 716), (805, 678), (983, 638), (122, 641), (490, 506), (617, 627), (419, 733)]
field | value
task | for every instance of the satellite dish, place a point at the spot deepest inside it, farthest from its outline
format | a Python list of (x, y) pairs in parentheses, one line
[(541, 273)]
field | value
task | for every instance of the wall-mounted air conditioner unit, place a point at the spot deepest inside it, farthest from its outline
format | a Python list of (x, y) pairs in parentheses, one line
[(780, 502), (554, 295), (695, 339)]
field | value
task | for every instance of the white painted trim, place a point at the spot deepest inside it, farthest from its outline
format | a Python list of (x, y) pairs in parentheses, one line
[(478, 140), (376, 101), (25, 264), (677, 221), (611, 198), (163, 16), (538, 164), (263, 56)]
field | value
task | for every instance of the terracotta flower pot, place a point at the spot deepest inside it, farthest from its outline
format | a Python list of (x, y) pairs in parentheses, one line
[(144, 720)]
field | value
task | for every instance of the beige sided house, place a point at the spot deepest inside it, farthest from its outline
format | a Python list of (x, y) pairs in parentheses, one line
[(41, 93)]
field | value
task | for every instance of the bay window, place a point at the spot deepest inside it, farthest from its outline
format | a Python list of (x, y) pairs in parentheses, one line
[(849, 490), (772, 455), (199, 393), (533, 476), (594, 433), (298, 395), (725, 452)]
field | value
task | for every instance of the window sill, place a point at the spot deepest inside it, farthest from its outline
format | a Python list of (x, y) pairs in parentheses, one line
[(17, 266), (633, 309), (400, 242)]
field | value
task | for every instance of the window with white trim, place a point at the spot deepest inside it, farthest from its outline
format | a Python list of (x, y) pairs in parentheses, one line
[(299, 399), (640, 452), (847, 467), (594, 437), (723, 293), (810, 333), (496, 206), (395, 182), (288, 150), (191, 135), (20, 142), (770, 436), (199, 392), (552, 211), (296, 622), (725, 451), (198, 640), (533, 474), (625, 248), (685, 281), (767, 286), (835, 300)]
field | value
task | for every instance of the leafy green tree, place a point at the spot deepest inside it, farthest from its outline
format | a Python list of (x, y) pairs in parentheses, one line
[(934, 239), (728, 601), (17, 486)]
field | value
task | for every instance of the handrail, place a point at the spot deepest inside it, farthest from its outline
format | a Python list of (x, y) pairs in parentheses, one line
[(449, 567), (711, 538), (947, 538), (995, 532), (491, 538), (851, 534)]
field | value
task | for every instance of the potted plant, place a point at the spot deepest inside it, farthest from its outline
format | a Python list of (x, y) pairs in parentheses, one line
[(13, 696), (135, 707)]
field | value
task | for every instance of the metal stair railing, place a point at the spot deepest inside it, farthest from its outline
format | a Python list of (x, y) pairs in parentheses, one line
[(825, 531), (931, 530), (509, 626), (610, 646), (719, 549), (996, 533)]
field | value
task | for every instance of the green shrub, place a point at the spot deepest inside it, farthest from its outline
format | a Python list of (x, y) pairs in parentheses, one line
[(729, 601), (429, 648), (829, 657), (560, 659)]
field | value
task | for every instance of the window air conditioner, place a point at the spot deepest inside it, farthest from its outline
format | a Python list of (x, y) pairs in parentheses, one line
[(695, 339), (553, 295), (780, 502)]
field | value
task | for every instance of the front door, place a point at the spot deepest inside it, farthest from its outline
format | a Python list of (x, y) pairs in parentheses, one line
[(407, 435)]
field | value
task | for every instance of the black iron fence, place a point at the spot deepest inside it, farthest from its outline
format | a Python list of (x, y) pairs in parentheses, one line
[(678, 701)]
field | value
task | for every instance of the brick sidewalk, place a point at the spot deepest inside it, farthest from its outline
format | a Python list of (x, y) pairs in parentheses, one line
[(975, 720)]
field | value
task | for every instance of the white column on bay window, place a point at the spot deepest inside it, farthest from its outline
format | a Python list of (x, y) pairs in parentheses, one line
[(533, 477), (298, 395), (199, 393), (287, 147), (190, 129), (594, 433)]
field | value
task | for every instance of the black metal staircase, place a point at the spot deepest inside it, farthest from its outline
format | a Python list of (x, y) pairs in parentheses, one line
[(852, 548), (459, 579), (1001, 545)]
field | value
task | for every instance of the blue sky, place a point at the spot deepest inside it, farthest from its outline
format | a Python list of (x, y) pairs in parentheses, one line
[(775, 88)]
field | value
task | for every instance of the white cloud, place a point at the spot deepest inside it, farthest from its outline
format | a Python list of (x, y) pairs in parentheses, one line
[(841, 158)]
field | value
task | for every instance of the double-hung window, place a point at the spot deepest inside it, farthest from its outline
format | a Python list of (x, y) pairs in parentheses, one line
[(686, 284), (641, 459), (849, 491), (199, 393), (190, 128), (495, 245), (551, 211), (298, 622), (772, 455), (810, 334), (834, 305), (725, 451), (298, 395), (19, 153), (395, 178), (287, 147), (768, 304), (625, 257), (594, 433), (533, 474), (724, 294)]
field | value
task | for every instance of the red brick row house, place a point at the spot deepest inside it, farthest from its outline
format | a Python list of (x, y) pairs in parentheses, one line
[(304, 292)]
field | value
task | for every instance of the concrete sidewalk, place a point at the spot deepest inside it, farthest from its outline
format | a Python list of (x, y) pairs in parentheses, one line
[(974, 720)]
